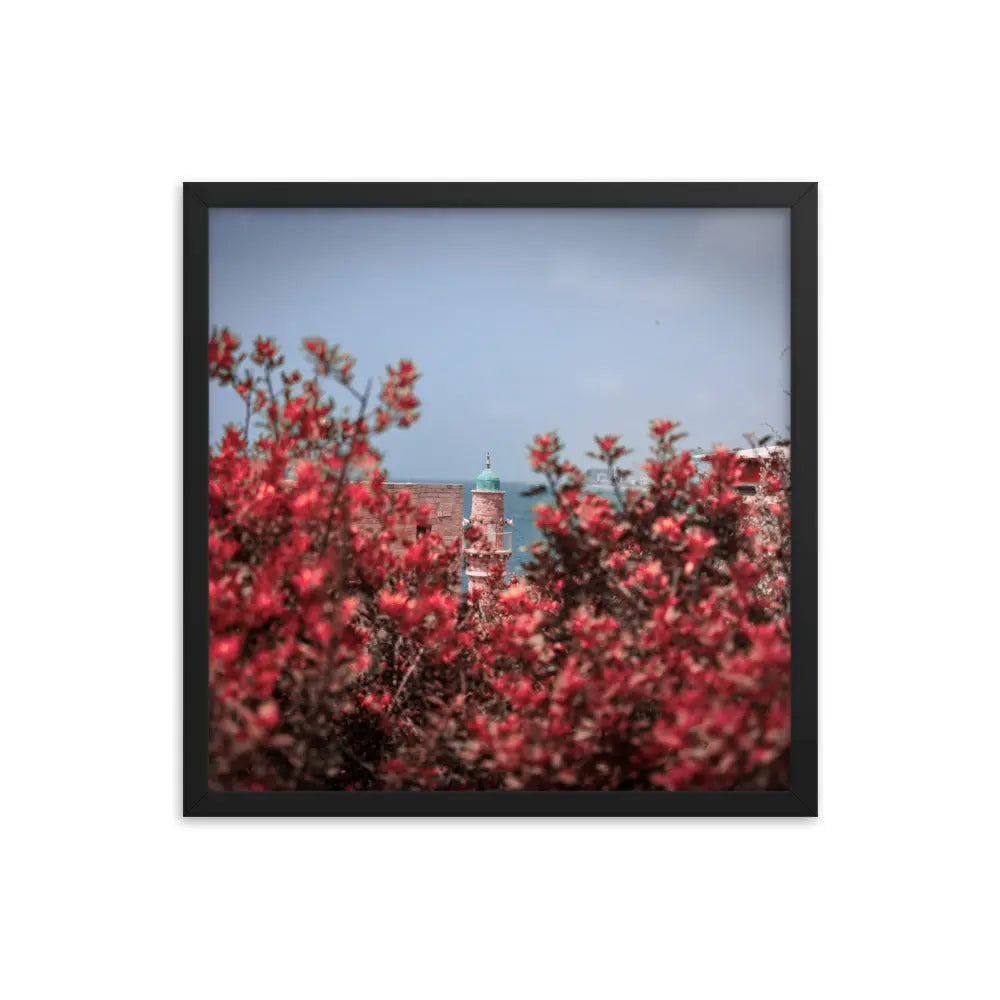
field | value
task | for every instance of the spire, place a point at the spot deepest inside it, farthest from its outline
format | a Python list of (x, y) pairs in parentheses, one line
[(488, 479)]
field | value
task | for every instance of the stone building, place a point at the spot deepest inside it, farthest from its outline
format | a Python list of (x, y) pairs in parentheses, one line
[(446, 502), (754, 466), (756, 463), (494, 548), (444, 499)]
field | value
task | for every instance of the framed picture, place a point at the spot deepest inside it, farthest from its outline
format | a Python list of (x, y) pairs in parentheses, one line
[(488, 499)]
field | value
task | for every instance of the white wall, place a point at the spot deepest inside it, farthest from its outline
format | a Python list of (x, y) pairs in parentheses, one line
[(109, 106)]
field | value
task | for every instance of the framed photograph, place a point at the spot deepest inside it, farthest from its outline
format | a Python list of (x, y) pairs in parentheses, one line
[(488, 499)]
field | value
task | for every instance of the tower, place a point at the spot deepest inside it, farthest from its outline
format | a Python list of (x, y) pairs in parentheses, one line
[(494, 547)]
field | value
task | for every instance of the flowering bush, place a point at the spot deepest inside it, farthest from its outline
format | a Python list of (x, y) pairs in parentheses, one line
[(647, 645)]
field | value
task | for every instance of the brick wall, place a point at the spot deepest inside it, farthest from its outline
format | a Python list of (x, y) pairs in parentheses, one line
[(446, 501), (487, 505), (487, 513)]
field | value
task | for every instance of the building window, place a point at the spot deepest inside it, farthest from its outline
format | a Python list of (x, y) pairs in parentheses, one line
[(422, 530), (746, 490)]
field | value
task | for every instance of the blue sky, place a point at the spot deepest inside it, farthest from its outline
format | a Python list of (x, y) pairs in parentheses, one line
[(523, 321)]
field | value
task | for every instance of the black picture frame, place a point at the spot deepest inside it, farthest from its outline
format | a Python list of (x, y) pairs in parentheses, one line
[(801, 798)]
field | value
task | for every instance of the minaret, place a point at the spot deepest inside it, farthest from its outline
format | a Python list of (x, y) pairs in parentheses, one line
[(487, 513)]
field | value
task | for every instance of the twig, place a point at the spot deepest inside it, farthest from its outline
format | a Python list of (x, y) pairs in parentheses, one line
[(343, 469), (406, 677), (357, 760)]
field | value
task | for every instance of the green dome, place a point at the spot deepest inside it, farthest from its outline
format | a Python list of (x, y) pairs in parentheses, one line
[(488, 479)]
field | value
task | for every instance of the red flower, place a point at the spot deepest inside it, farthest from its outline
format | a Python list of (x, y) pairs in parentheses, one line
[(226, 649), (661, 428), (669, 527), (308, 580), (698, 544), (268, 715)]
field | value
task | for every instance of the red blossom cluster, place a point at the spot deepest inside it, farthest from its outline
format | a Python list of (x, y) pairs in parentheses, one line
[(647, 645)]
